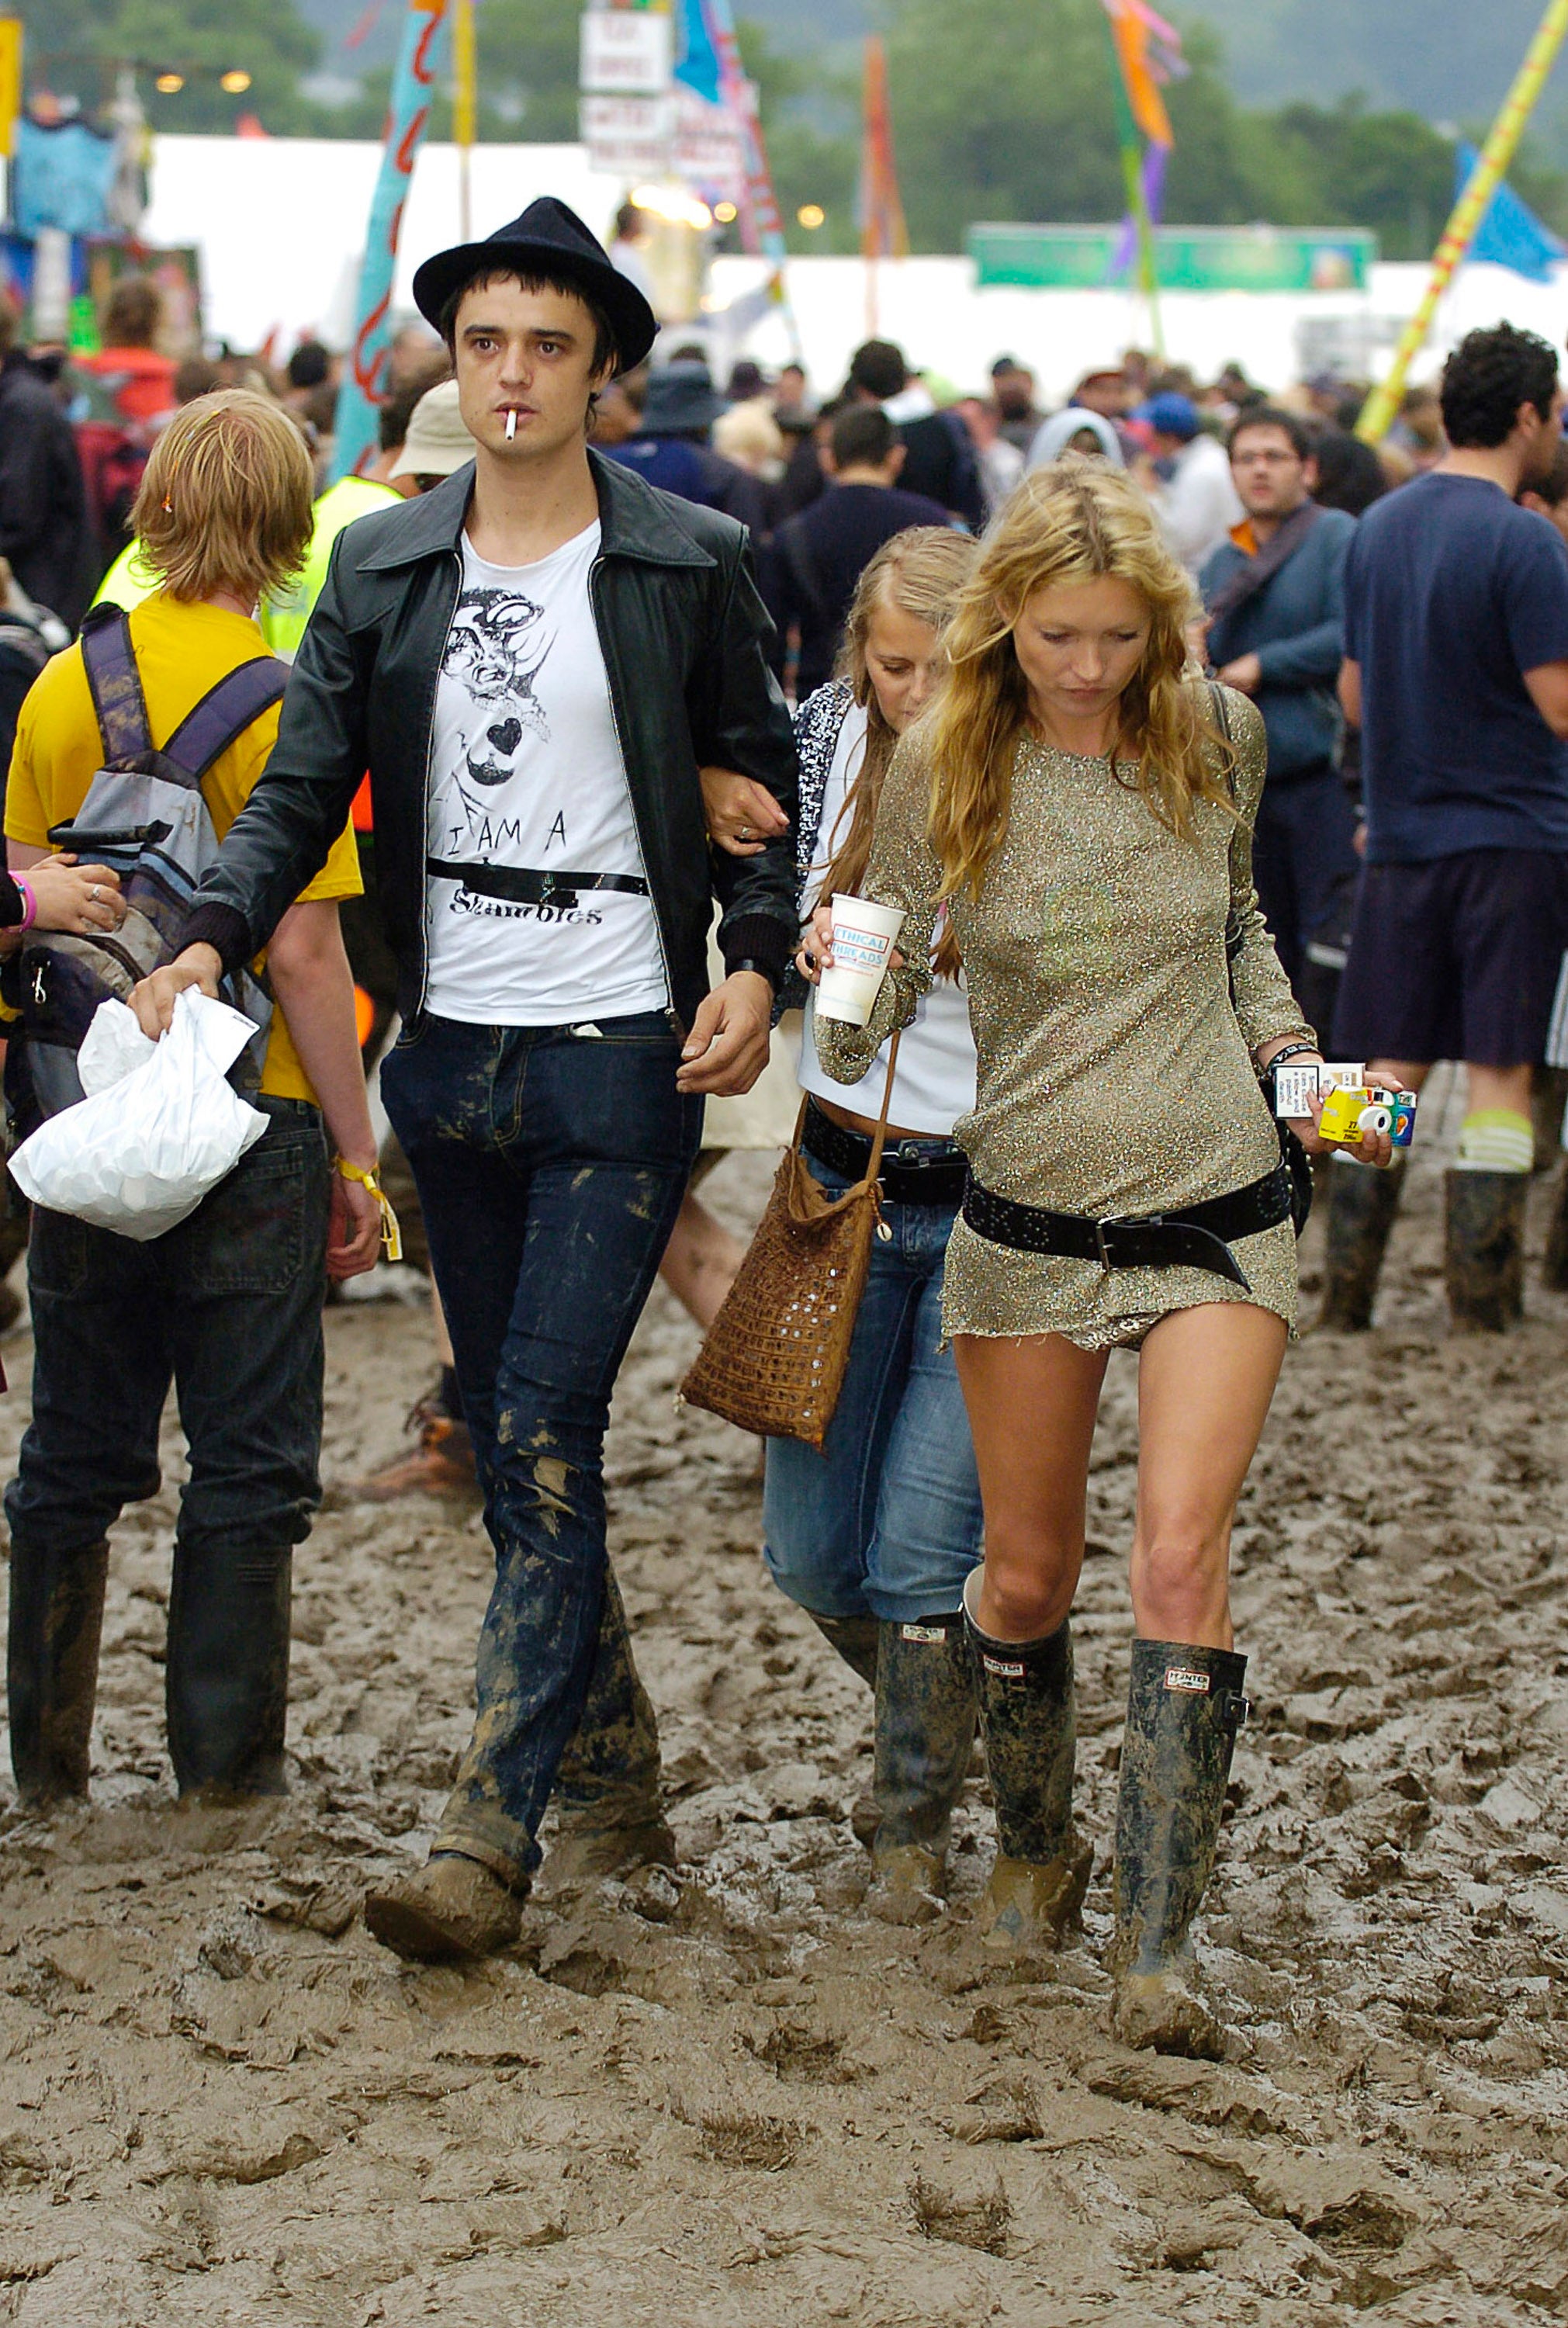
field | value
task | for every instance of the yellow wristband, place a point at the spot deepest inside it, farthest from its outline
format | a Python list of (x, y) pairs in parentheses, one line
[(391, 1234)]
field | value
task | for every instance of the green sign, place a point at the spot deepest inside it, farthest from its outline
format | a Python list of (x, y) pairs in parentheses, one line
[(1187, 257)]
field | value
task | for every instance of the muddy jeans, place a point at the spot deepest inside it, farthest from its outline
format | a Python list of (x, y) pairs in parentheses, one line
[(550, 1163), (228, 1308)]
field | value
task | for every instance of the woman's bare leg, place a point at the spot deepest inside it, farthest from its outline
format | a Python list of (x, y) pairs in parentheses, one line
[(700, 1260), (1032, 1401), (1204, 1383)]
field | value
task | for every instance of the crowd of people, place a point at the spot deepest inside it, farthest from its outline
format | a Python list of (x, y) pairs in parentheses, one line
[(1192, 739)]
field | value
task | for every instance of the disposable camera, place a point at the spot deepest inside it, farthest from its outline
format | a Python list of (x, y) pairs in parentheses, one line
[(1353, 1107)]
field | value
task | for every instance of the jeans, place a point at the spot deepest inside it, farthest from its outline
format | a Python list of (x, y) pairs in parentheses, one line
[(550, 1164), (228, 1308), (886, 1520)]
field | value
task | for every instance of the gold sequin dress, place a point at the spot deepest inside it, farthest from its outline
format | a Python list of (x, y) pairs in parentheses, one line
[(1116, 1076)]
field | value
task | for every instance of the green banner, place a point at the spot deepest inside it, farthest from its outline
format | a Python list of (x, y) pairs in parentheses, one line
[(1189, 258)]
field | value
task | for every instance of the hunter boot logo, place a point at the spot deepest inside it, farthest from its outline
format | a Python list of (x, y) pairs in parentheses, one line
[(1188, 1678)]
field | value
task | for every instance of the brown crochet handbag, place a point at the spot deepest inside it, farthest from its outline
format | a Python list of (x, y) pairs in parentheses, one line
[(775, 1358)]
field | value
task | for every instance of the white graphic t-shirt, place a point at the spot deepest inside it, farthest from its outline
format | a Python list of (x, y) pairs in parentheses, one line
[(527, 788)]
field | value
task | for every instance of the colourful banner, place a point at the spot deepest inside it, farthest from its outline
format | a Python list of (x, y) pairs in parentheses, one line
[(1378, 413), (880, 208), (409, 110)]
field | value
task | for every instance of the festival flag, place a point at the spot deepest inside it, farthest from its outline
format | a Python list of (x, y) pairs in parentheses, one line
[(409, 110), (709, 60), (1147, 53), (1510, 234), (879, 209)]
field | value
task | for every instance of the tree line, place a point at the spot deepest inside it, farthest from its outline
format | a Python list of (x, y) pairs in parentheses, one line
[(1002, 108)]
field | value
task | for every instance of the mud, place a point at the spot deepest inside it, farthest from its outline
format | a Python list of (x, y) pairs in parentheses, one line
[(723, 2095)]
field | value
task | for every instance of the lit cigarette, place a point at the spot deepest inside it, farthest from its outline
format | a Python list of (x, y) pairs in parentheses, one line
[(512, 423)]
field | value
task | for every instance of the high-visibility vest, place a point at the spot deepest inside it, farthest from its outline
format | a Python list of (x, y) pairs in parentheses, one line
[(283, 619)]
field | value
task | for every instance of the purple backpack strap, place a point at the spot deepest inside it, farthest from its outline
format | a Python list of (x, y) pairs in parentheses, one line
[(116, 684), (224, 713)]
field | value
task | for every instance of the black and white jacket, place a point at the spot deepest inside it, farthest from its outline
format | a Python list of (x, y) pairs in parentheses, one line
[(818, 723)]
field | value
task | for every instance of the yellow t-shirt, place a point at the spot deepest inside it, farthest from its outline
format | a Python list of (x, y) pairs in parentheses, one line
[(181, 652)]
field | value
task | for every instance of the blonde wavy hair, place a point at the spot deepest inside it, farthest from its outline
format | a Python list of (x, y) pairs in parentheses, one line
[(225, 499), (921, 572), (1074, 520)]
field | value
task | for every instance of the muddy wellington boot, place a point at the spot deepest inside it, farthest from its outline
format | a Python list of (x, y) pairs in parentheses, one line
[(1484, 1250), (1554, 1259), (925, 1718), (1362, 1204), (857, 1641), (226, 1684), (1184, 1708), (1029, 1720), (51, 1668), (451, 1908), (609, 1818)]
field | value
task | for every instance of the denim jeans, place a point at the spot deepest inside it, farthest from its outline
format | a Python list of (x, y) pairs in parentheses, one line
[(886, 1520), (551, 1163), (227, 1308)]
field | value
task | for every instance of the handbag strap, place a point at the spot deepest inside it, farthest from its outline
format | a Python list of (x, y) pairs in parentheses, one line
[(875, 1167)]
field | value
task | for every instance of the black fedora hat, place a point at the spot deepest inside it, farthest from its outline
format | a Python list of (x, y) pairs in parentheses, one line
[(547, 239)]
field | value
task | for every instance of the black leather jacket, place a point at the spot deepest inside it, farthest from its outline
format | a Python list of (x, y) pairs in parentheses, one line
[(685, 639)]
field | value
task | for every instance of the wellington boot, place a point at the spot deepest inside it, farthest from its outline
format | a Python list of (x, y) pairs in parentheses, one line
[(1027, 1717), (226, 1684), (1362, 1204), (855, 1639), (1030, 1910), (452, 1907), (609, 1816), (910, 1884), (1184, 1707), (1484, 1250), (1554, 1259), (925, 1720), (56, 1625)]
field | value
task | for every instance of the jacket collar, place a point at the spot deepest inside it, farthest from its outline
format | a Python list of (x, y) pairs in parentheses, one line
[(637, 521)]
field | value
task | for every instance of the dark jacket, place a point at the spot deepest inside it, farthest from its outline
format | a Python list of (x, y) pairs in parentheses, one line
[(694, 471), (43, 521), (939, 461), (811, 567), (685, 641), (1295, 625)]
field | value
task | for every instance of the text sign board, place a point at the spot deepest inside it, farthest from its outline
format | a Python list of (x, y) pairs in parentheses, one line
[(628, 137), (1187, 259), (625, 51)]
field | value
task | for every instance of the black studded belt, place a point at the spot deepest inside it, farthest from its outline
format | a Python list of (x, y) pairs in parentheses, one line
[(1198, 1237), (914, 1171), (519, 885)]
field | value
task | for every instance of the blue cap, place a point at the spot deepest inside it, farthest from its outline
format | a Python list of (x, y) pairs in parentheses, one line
[(1171, 414)]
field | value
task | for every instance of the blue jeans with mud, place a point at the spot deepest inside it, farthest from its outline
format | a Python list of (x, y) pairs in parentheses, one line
[(550, 1164), (886, 1521)]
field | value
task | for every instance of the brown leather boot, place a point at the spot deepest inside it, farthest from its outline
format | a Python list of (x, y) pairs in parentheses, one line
[(451, 1907), (441, 1465)]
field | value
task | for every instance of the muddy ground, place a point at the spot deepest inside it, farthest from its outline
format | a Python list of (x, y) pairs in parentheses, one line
[(727, 2096)]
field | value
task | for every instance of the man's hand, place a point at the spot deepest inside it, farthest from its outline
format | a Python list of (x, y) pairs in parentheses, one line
[(727, 1049), (353, 1236), (743, 815), (154, 999), (1246, 673)]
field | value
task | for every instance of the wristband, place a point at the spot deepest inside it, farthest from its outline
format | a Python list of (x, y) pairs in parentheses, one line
[(391, 1234), (749, 962), (29, 902)]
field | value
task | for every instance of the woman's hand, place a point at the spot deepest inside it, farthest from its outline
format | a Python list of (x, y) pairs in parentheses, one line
[(815, 954), (1372, 1148), (82, 899), (743, 815)]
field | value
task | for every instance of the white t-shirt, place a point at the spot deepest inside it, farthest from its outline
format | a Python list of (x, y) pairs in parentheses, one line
[(934, 1083), (527, 780)]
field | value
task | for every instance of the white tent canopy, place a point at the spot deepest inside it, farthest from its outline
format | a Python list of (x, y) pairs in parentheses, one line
[(280, 224)]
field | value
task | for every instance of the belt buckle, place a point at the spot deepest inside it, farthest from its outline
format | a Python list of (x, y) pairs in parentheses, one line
[(1114, 1222)]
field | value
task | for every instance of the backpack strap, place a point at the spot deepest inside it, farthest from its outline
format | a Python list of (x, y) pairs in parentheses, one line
[(224, 713), (116, 683)]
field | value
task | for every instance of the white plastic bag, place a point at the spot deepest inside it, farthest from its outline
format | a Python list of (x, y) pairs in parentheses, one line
[(160, 1126)]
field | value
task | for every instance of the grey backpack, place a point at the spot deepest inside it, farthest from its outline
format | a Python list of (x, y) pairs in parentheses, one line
[(144, 818)]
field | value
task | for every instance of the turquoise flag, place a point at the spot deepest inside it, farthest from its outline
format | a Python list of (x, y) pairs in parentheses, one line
[(1510, 234)]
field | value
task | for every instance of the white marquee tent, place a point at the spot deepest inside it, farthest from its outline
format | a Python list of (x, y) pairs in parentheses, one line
[(280, 225)]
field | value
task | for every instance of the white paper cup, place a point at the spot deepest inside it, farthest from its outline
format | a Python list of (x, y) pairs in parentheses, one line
[(864, 936)]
